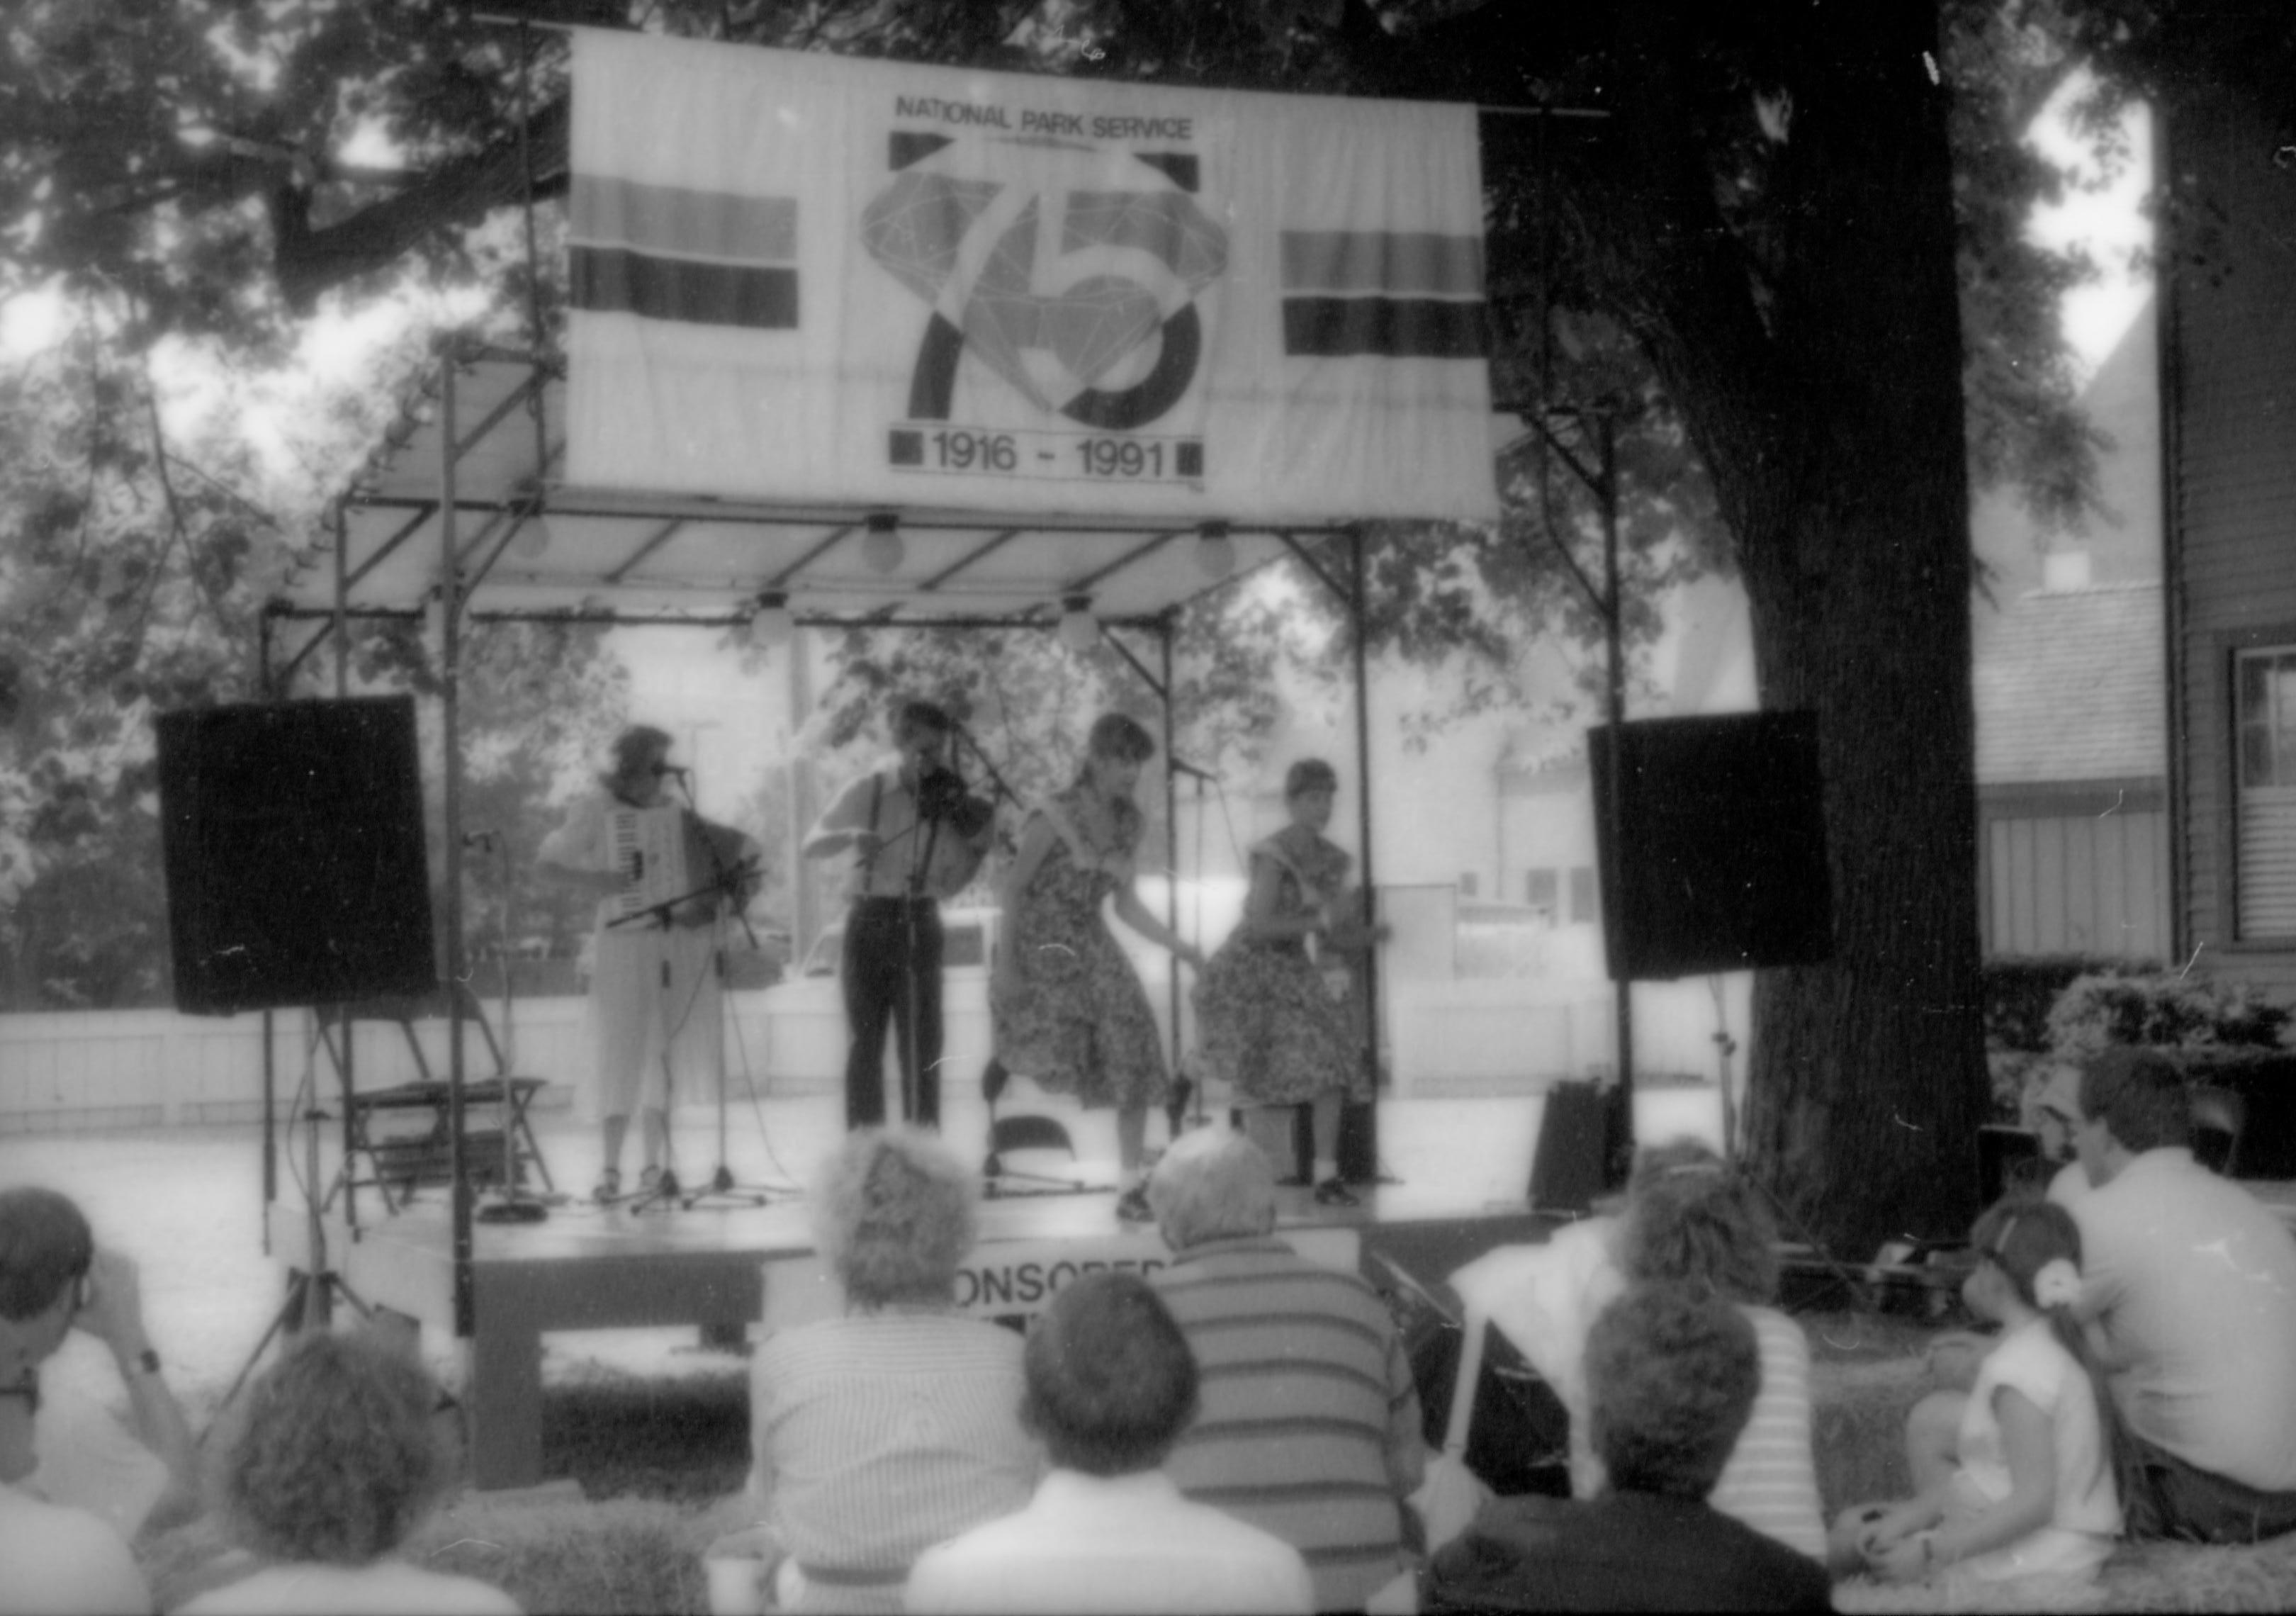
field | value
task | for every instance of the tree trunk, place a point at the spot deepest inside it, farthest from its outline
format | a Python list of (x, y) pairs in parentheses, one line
[(1831, 420)]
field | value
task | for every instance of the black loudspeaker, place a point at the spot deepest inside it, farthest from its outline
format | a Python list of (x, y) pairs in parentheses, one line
[(1567, 1170), (292, 833), (1713, 857)]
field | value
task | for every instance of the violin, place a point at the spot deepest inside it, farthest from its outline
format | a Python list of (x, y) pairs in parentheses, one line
[(942, 800)]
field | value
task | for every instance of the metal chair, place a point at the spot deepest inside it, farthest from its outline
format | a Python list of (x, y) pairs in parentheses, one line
[(1021, 1134)]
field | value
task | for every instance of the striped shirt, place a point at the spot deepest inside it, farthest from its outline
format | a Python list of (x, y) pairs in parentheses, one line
[(1771, 1480), (877, 1435), (1309, 1426)]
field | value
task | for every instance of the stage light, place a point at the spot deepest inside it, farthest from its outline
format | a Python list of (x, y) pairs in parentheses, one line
[(1078, 632), (883, 550), (532, 539), (772, 625), (1215, 550)]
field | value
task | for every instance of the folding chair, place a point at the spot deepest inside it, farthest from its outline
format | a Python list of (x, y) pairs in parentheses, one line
[(404, 1158), (1022, 1133)]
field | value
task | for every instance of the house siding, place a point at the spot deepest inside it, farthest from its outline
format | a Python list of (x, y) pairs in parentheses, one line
[(2233, 504), (2075, 870)]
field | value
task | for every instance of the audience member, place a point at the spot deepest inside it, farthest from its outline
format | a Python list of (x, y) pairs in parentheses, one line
[(2054, 1111), (1111, 1387), (897, 1424), (1672, 1373), (1693, 1219), (1309, 1424), (53, 1279), (54, 1560), (2189, 1297), (2021, 1509), (334, 1464), (1688, 1216)]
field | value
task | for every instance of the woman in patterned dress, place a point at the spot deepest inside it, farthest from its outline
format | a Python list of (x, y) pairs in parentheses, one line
[(1274, 1009), (1067, 1007)]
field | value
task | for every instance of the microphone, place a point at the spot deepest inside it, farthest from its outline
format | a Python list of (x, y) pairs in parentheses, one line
[(673, 769), (1181, 766)]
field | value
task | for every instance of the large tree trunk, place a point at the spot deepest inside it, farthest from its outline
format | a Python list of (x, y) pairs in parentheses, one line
[(1832, 425)]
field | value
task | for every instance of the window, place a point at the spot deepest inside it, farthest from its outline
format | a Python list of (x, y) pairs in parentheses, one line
[(1582, 895), (2264, 720), (1541, 890)]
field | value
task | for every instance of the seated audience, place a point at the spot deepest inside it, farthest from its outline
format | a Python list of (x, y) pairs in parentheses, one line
[(1111, 1387), (1672, 1373), (2189, 1294), (334, 1464), (897, 1424), (53, 1561), (2023, 1508), (53, 1279), (1309, 1424)]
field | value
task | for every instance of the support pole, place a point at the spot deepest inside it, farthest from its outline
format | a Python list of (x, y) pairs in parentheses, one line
[(1164, 626), (1619, 1116), (270, 1069), (1359, 1146), (450, 593)]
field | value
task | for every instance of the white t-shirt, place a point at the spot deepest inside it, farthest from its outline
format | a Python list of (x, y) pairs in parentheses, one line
[(60, 1562), (384, 1588), (84, 1458), (2031, 1361), (1113, 1545)]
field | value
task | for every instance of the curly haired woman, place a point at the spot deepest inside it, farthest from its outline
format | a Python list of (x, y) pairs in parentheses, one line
[(334, 1464)]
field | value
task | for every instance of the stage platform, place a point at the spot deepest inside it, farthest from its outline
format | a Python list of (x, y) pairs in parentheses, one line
[(737, 1270)]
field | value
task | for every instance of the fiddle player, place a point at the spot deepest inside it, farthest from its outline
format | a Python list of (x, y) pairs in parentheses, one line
[(654, 1004), (915, 839)]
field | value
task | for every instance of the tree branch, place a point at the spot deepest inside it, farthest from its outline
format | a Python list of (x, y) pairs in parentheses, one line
[(457, 194)]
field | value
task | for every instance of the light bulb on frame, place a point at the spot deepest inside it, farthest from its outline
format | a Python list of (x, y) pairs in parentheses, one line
[(883, 551), (773, 625), (1215, 550), (1078, 632)]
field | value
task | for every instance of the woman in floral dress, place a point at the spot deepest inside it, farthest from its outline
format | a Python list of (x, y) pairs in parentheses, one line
[(1067, 1007), (1274, 1009)]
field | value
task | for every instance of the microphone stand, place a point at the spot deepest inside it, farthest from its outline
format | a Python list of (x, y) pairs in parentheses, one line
[(728, 885), (921, 857), (512, 1203)]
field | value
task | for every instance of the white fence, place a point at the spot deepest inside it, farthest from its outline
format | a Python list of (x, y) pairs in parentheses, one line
[(97, 1069)]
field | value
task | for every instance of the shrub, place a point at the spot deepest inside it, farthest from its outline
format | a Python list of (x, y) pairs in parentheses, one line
[(2018, 994), (2159, 1008)]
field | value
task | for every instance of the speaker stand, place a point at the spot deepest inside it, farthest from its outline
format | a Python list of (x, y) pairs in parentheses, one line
[(312, 1292)]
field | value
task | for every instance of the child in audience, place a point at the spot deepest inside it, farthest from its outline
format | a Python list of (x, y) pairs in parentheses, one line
[(2024, 1510)]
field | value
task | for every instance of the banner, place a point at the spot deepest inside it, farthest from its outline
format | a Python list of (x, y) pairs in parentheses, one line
[(822, 280)]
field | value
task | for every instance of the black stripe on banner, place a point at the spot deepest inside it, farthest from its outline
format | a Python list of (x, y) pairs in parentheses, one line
[(612, 280), (1389, 328), (1399, 263)]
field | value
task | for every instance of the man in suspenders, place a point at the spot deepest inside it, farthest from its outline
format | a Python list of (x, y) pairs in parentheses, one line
[(903, 867)]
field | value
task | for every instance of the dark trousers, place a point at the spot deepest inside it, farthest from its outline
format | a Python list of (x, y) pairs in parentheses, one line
[(2162, 1496), (878, 972)]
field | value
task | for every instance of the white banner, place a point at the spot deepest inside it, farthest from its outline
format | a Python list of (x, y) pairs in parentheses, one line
[(823, 280)]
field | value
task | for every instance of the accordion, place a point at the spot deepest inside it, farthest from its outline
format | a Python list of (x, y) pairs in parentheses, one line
[(670, 853)]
